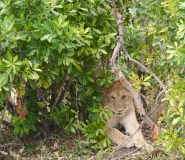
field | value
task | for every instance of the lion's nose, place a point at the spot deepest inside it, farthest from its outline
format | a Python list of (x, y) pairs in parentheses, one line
[(119, 110)]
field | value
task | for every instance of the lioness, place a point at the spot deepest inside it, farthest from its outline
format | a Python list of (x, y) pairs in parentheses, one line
[(119, 101)]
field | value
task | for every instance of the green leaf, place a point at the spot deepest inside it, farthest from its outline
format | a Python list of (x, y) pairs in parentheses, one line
[(47, 1), (38, 70), (61, 18), (147, 78), (72, 129), (133, 11), (73, 11), (102, 82), (146, 84), (78, 67), (34, 75), (7, 62), (45, 37), (163, 29), (90, 79), (84, 9), (93, 141), (103, 51), (15, 59), (96, 110), (87, 30), (97, 31), (112, 35), (9, 57), (176, 120), (182, 149), (41, 104), (65, 24), (18, 63)]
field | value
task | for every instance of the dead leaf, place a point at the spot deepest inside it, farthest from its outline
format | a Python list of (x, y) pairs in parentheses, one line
[(155, 132), (56, 154), (21, 150), (4, 153), (14, 155), (55, 147), (121, 78)]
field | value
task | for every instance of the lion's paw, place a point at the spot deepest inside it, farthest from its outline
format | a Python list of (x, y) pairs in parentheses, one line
[(127, 143), (149, 147), (139, 143), (130, 143)]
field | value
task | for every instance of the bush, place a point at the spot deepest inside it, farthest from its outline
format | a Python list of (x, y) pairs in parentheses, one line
[(51, 53)]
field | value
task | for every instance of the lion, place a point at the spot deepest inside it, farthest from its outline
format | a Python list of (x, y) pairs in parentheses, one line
[(119, 101)]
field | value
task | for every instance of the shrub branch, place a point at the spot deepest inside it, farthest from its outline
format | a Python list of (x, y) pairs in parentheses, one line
[(61, 91), (119, 74)]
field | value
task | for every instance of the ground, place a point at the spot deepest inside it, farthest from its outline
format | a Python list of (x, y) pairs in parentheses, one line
[(65, 147)]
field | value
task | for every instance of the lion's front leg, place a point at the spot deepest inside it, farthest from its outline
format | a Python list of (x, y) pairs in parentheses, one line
[(133, 128), (115, 135), (119, 138), (140, 142)]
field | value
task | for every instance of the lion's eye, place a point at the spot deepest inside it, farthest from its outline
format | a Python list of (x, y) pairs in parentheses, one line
[(113, 98), (123, 97)]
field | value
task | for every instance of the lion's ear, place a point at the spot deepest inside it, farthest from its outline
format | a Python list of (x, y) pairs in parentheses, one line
[(104, 90)]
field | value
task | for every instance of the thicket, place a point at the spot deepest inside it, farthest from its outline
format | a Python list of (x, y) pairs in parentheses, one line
[(55, 56)]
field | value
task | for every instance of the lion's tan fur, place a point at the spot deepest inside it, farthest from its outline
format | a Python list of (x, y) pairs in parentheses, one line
[(120, 102)]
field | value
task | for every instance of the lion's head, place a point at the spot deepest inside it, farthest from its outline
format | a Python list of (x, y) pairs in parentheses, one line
[(118, 99)]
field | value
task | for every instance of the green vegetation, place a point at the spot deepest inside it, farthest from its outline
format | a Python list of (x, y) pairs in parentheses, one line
[(55, 55)]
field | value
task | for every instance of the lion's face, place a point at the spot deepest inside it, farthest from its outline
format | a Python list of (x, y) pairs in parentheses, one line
[(118, 99)]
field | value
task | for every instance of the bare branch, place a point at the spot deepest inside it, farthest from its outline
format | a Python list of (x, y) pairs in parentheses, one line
[(182, 71), (128, 154), (40, 94), (146, 69), (158, 96), (98, 69), (61, 91), (120, 75), (8, 124), (2, 114)]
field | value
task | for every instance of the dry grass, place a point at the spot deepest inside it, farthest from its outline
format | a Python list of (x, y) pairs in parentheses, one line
[(66, 148)]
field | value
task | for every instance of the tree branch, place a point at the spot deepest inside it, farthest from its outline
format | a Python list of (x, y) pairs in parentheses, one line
[(119, 74), (127, 154), (146, 69), (98, 69), (6, 123), (2, 114), (2, 121), (62, 91)]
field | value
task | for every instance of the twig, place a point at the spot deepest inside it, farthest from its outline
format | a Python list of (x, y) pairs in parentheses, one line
[(146, 69), (128, 154), (119, 74), (77, 108), (2, 114), (155, 103), (97, 70), (40, 95), (182, 71), (61, 91), (6, 123), (158, 96)]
